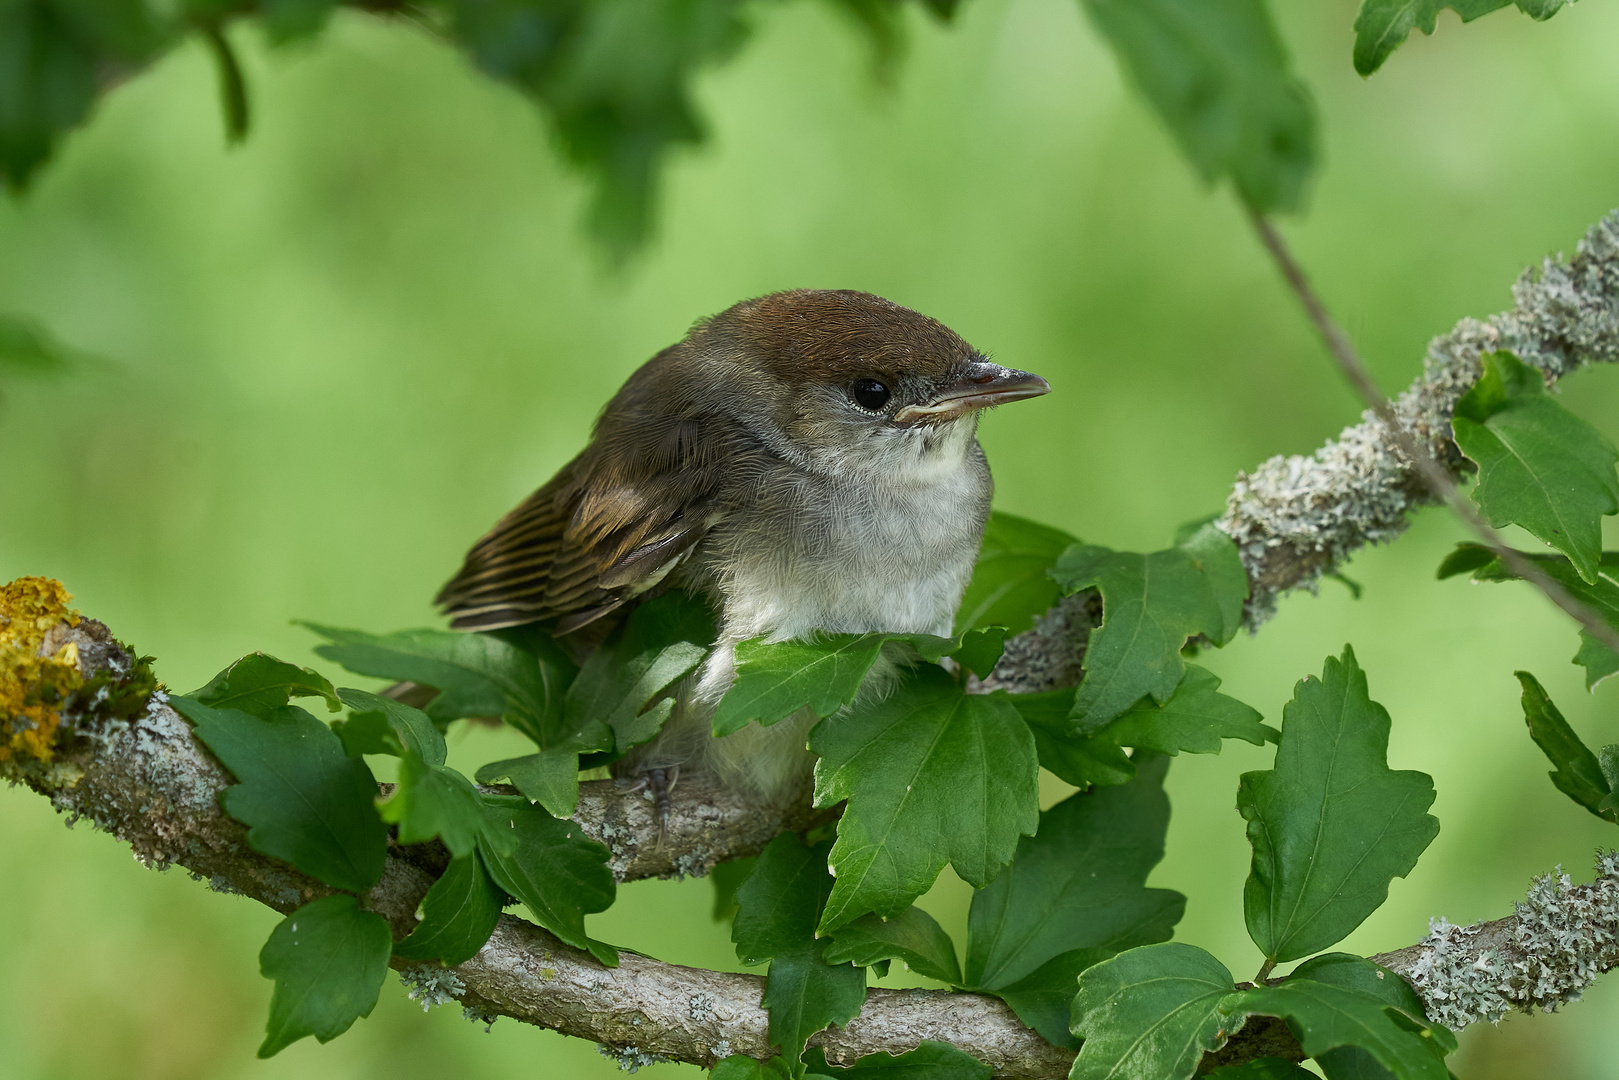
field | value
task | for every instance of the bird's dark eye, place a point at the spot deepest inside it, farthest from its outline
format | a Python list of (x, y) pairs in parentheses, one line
[(870, 394)]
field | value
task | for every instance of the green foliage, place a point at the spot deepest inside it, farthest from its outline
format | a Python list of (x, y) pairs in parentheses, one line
[(1151, 605), (436, 801), (1600, 595), (458, 914), (380, 725), (550, 778), (1010, 586), (727, 878), (474, 674), (1078, 883), (328, 960), (929, 1061), (624, 683), (1579, 774), (776, 679), (931, 776), (1262, 1069), (742, 1067), (1219, 77), (551, 867), (1331, 824), (259, 683), (1151, 1013), (302, 797), (1081, 760), (778, 909), (1540, 466), (1197, 720), (912, 936), (1383, 25)]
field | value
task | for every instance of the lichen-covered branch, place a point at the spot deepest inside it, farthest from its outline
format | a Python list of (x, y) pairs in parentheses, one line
[(1560, 939), (1296, 518)]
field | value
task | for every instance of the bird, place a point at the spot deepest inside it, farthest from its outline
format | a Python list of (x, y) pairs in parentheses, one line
[(806, 462)]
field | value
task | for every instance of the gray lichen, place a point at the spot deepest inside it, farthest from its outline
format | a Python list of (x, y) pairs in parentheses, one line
[(700, 1007), (432, 985), (1296, 518), (630, 1058), (1561, 938)]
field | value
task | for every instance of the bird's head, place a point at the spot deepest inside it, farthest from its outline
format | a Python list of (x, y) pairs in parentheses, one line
[(848, 380)]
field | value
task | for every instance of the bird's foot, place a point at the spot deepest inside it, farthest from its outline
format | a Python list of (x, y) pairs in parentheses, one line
[(659, 783)]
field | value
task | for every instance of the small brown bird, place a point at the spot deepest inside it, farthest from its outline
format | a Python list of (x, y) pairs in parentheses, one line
[(806, 461)]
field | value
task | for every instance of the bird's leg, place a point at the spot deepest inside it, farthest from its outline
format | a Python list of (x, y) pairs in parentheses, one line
[(660, 784)]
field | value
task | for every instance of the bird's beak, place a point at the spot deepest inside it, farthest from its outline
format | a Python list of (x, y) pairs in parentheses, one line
[(983, 385)]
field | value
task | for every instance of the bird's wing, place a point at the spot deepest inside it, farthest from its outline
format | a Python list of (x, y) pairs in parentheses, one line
[(604, 529)]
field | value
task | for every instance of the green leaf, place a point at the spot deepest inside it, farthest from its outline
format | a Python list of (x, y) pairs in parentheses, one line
[(980, 650), (550, 778), (380, 725), (1578, 773), (1608, 761), (434, 800), (929, 1061), (1328, 1016), (1540, 466), (1197, 720), (303, 799), (1601, 595), (328, 960), (931, 776), (912, 936), (1262, 1069), (776, 679), (662, 642), (1383, 25), (1044, 998), (727, 878), (742, 1067), (259, 684), (1219, 77), (58, 56), (1078, 883), (475, 674), (1216, 555), (1150, 1013), (553, 869), (778, 908), (1374, 981), (1080, 760), (1151, 605), (458, 914), (1009, 586), (1331, 824)]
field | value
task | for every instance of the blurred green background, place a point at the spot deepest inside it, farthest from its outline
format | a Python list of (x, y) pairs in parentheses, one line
[(335, 355)]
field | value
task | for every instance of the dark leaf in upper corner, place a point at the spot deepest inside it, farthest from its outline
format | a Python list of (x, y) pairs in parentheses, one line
[(1578, 774), (1218, 75), (56, 56), (1009, 586), (304, 800), (1331, 825), (1540, 466), (931, 775), (1078, 883), (328, 960), (458, 914), (1383, 25), (260, 684)]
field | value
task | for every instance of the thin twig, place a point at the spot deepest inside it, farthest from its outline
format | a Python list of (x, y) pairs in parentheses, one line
[(1438, 479)]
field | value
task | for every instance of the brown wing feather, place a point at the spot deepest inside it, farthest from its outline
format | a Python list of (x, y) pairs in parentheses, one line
[(607, 523)]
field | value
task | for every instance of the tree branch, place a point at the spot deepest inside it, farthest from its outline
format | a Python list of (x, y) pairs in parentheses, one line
[(148, 782)]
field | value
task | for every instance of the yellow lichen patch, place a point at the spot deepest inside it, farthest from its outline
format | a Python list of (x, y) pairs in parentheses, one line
[(31, 685)]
